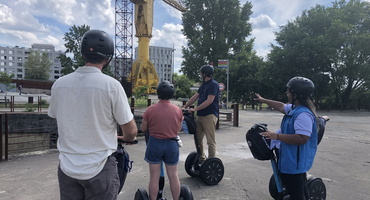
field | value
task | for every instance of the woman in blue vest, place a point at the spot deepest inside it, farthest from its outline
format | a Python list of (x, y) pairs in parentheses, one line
[(297, 137)]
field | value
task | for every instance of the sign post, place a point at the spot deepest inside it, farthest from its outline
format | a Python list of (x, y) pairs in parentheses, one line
[(221, 86), (225, 64)]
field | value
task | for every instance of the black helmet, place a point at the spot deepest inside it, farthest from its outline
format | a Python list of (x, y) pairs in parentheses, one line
[(301, 86), (97, 42), (207, 70), (165, 90)]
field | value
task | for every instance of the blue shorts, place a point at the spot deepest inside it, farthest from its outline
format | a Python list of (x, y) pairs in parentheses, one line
[(158, 150)]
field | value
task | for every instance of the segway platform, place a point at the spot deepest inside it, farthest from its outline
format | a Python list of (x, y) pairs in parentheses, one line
[(211, 171), (260, 149)]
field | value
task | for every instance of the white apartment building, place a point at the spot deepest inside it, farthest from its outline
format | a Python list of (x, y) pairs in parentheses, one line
[(12, 60), (162, 58)]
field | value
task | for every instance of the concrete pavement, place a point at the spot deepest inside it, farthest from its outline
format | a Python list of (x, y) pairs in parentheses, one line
[(342, 161)]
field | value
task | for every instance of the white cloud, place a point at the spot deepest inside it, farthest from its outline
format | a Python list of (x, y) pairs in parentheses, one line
[(263, 32), (171, 11), (262, 21), (263, 40), (269, 15), (25, 22)]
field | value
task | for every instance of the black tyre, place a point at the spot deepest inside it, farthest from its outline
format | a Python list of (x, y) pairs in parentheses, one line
[(316, 189), (141, 194), (272, 187), (274, 192), (186, 193), (212, 171), (189, 164)]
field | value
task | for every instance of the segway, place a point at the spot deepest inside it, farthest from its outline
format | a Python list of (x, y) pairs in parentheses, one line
[(211, 171), (141, 194), (316, 187)]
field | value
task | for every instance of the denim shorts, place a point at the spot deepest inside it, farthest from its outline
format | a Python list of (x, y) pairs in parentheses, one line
[(158, 150)]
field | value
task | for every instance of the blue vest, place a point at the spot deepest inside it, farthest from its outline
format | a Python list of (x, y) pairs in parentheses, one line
[(296, 159)]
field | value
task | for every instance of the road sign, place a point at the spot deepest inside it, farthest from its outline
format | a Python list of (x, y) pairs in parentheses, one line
[(221, 86), (223, 64)]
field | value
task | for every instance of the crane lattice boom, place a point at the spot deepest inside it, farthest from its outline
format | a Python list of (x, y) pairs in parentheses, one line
[(175, 4)]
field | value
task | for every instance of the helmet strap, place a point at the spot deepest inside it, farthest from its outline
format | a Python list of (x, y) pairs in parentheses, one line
[(109, 59), (204, 77), (294, 99)]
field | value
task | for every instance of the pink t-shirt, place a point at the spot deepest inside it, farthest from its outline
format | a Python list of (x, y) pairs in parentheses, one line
[(164, 119)]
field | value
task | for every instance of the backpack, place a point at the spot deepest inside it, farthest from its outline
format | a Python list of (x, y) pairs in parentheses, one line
[(259, 146), (190, 122), (124, 165)]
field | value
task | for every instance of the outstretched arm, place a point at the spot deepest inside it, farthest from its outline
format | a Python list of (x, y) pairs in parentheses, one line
[(277, 105)]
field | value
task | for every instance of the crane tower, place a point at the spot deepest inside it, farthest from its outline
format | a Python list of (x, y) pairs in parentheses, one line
[(123, 43), (143, 72)]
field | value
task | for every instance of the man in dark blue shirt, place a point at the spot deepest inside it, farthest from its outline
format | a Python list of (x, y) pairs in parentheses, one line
[(207, 111)]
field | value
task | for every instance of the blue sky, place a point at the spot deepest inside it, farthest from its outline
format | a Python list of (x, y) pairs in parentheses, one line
[(25, 22)]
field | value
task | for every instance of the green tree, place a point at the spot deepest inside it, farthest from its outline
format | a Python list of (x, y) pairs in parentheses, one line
[(37, 66), (6, 79), (140, 93), (327, 45), (243, 76), (73, 40), (182, 86), (215, 29), (74, 60)]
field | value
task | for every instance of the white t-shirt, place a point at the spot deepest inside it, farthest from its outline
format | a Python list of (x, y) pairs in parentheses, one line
[(87, 105)]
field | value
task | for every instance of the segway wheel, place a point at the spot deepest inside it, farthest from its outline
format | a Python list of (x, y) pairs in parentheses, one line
[(316, 189), (189, 164), (141, 194), (186, 193), (274, 192), (212, 171), (272, 187)]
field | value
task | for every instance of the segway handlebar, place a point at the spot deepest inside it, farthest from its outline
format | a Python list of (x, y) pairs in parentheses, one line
[(128, 142)]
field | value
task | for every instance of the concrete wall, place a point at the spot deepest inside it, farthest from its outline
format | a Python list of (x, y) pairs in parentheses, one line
[(33, 132), (29, 132)]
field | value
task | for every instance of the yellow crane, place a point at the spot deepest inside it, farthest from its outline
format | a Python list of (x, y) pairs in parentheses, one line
[(143, 72)]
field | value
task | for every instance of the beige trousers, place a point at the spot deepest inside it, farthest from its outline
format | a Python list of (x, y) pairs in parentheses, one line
[(206, 126)]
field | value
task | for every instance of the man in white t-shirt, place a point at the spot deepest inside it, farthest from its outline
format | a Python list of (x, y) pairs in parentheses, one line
[(87, 105)]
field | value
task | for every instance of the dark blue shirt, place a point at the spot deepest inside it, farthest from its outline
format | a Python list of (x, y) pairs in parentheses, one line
[(208, 88)]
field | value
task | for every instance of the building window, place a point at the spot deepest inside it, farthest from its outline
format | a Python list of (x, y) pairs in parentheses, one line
[(19, 76), (19, 70), (19, 64), (10, 52)]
